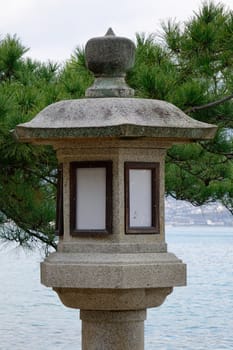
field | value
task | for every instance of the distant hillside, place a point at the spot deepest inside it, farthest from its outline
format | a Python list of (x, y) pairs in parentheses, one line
[(179, 212)]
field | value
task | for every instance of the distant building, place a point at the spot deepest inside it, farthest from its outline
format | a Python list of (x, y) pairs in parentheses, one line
[(182, 213)]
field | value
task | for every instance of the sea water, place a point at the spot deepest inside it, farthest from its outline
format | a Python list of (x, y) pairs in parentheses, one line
[(196, 317)]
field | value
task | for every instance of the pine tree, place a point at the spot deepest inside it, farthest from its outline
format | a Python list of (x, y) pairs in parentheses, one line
[(189, 65), (28, 174)]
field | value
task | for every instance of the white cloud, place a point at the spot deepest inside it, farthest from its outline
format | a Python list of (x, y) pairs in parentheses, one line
[(53, 28)]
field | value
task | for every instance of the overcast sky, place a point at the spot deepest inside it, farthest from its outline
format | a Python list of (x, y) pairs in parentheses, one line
[(53, 28)]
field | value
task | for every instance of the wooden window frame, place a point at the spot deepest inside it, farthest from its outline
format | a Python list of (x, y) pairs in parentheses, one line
[(73, 200), (155, 188), (59, 224)]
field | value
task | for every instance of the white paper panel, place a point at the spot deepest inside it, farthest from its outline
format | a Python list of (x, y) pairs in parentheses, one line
[(91, 199), (140, 198)]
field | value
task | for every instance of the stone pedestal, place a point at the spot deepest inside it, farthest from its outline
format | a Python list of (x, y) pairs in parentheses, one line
[(113, 330)]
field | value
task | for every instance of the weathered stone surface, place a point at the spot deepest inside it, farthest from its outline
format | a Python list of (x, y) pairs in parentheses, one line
[(120, 152), (113, 330), (109, 55), (113, 117), (112, 299), (109, 87), (112, 247), (86, 279), (120, 271)]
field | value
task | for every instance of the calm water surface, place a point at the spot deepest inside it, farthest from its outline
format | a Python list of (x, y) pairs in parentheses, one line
[(196, 317)]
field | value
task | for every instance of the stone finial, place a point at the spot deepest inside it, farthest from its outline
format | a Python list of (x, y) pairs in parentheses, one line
[(110, 32), (109, 57)]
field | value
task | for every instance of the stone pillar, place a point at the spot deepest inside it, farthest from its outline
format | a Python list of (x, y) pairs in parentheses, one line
[(113, 330)]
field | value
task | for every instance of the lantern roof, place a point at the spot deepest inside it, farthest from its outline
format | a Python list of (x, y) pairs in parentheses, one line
[(109, 109), (113, 117)]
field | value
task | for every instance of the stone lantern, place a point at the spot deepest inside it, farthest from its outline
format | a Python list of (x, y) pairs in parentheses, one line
[(112, 261)]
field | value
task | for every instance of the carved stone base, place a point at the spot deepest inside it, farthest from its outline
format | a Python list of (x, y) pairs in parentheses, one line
[(112, 299)]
